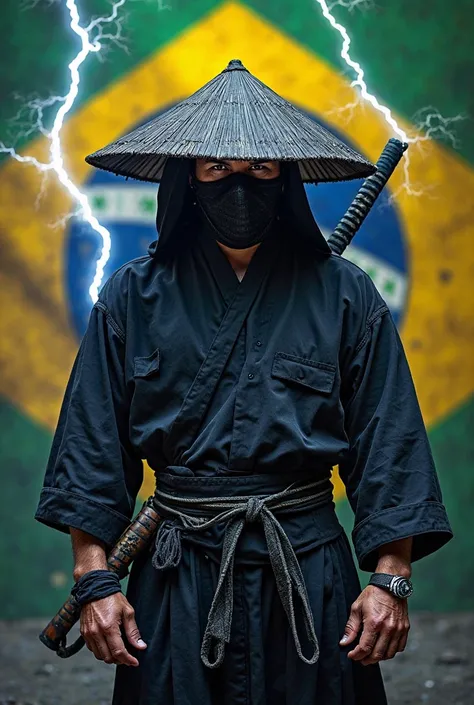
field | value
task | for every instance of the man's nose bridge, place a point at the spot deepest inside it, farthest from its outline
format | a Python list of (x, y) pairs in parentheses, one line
[(240, 193), (240, 167)]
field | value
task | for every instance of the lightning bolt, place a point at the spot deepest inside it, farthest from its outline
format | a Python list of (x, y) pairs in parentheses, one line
[(429, 123), (92, 38), (352, 5)]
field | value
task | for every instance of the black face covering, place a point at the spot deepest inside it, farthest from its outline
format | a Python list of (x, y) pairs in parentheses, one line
[(240, 209), (176, 215)]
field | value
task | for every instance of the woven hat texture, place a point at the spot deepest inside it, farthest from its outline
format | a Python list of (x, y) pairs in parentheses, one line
[(234, 116)]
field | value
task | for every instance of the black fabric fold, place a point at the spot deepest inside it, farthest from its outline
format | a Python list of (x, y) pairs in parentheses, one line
[(95, 585), (178, 218)]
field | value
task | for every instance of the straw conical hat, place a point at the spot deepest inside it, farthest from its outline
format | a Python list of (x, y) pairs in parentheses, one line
[(234, 116)]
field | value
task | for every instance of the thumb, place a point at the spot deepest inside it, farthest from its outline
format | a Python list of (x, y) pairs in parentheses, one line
[(352, 627), (131, 629)]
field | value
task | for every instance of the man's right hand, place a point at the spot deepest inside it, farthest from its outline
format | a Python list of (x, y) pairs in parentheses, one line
[(100, 627)]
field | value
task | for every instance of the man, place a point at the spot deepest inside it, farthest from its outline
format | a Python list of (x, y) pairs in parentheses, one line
[(243, 360)]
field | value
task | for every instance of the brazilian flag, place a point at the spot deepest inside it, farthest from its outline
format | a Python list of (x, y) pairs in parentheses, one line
[(417, 248)]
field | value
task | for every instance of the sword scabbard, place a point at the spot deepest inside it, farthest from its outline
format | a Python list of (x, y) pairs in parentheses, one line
[(136, 537)]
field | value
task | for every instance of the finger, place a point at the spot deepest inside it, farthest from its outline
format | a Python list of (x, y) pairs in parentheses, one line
[(92, 645), (403, 641), (398, 641), (392, 647), (352, 628), (365, 645), (89, 638), (96, 651), (117, 648), (131, 629), (101, 650), (379, 649)]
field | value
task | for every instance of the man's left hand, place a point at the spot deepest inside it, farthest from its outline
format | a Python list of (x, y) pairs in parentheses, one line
[(383, 619)]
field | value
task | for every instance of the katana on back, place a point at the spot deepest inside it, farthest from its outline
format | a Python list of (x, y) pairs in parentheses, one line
[(366, 196), (138, 536)]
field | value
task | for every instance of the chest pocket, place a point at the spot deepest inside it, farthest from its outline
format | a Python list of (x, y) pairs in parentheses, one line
[(318, 376), (147, 366)]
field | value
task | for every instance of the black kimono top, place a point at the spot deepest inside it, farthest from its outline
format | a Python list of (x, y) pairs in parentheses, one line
[(297, 367)]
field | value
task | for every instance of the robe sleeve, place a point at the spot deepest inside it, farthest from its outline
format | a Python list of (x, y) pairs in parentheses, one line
[(93, 474), (389, 474)]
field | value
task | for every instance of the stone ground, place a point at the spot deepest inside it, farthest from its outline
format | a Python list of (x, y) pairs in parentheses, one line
[(437, 667)]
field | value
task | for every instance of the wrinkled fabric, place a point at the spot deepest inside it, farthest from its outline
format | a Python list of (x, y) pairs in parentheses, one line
[(197, 514), (261, 666), (239, 209), (95, 585), (297, 368)]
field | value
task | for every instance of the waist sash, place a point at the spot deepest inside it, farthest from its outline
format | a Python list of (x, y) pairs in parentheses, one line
[(198, 513)]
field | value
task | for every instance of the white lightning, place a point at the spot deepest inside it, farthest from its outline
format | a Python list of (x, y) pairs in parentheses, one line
[(429, 123), (359, 72), (91, 38), (352, 5), (30, 4)]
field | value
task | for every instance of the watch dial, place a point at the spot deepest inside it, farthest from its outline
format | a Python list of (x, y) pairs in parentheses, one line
[(402, 587)]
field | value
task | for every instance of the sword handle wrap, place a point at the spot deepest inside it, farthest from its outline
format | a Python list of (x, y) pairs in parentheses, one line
[(366, 196), (133, 541)]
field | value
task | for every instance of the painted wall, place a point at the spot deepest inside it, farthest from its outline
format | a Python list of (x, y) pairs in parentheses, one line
[(418, 248)]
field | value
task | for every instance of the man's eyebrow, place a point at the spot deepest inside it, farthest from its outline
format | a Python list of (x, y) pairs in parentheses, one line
[(210, 160)]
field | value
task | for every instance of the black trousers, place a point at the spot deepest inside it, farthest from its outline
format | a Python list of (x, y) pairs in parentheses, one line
[(261, 666)]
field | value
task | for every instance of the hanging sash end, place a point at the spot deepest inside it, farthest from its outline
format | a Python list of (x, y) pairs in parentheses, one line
[(168, 549)]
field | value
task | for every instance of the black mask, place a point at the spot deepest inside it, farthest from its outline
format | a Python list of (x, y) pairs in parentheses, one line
[(240, 209)]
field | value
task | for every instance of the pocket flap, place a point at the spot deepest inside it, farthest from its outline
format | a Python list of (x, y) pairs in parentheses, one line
[(316, 375), (146, 366)]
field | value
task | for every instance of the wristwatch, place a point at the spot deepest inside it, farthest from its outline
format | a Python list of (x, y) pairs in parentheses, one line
[(396, 584)]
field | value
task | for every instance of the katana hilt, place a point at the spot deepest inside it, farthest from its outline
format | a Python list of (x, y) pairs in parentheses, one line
[(133, 541), (366, 196)]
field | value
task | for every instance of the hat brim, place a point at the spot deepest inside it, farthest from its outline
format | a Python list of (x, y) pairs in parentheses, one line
[(150, 167), (234, 117)]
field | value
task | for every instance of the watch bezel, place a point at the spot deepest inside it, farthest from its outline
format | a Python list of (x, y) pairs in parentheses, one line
[(396, 588)]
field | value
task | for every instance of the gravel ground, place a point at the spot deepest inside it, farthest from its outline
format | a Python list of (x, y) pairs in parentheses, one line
[(437, 667)]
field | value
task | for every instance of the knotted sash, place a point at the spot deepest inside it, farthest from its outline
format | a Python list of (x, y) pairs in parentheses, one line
[(235, 512)]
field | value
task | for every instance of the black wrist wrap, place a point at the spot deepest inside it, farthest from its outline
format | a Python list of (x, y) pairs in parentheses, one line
[(95, 585)]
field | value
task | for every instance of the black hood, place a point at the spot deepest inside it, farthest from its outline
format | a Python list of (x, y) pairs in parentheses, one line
[(177, 219)]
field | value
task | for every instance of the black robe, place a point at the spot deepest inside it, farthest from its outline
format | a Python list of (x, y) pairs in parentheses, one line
[(221, 384)]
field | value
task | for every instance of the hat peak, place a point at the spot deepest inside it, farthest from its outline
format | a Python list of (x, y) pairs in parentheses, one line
[(235, 65)]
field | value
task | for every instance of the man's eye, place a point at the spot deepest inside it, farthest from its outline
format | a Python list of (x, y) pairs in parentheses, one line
[(218, 167), (259, 167)]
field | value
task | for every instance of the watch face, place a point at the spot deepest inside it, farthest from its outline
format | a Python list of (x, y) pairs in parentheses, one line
[(401, 587)]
